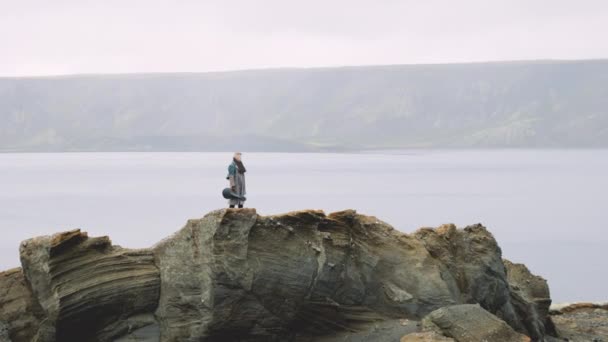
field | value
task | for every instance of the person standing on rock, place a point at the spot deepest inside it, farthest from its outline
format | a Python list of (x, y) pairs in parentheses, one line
[(236, 176)]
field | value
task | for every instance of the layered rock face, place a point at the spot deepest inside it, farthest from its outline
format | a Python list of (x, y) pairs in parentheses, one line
[(234, 275), (87, 288), (469, 323), (528, 289)]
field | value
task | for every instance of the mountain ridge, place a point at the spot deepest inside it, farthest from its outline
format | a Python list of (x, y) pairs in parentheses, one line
[(517, 104), (151, 73)]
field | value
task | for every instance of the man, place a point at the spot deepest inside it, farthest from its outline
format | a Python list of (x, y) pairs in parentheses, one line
[(236, 176)]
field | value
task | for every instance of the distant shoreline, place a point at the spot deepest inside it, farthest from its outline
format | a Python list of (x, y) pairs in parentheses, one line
[(341, 151)]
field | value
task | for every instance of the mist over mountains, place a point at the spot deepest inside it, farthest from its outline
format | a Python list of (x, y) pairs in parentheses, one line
[(537, 104)]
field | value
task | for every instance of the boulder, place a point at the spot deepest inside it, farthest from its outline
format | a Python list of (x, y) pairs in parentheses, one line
[(87, 288), (471, 323)]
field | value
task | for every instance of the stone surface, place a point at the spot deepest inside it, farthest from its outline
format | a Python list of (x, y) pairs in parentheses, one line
[(579, 322), (470, 323), (85, 285), (20, 313), (148, 333), (4, 332), (527, 289), (388, 330), (427, 336)]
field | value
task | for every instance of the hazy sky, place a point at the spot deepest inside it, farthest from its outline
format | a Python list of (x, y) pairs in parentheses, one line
[(114, 36)]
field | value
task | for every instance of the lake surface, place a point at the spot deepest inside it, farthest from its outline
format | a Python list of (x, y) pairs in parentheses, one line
[(547, 208)]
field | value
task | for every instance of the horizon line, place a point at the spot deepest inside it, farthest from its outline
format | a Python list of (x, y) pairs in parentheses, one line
[(287, 68)]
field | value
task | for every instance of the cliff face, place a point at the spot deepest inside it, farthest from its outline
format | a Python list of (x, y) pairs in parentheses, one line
[(234, 275), (88, 289)]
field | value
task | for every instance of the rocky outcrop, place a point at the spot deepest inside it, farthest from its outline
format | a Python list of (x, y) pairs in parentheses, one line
[(473, 260), (581, 321), (471, 323), (88, 289), (235, 275), (304, 271)]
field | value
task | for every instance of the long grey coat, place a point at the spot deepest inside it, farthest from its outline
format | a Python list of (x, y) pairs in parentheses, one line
[(237, 180)]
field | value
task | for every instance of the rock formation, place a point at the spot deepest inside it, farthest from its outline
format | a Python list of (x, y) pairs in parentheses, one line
[(88, 289), (471, 323), (234, 275), (527, 289), (581, 321)]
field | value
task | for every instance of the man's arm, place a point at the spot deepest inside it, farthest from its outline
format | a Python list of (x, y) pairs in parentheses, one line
[(231, 174)]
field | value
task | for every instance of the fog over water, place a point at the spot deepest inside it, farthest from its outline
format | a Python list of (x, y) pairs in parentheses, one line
[(547, 208)]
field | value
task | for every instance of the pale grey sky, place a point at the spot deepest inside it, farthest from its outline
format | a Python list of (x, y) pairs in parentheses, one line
[(118, 36)]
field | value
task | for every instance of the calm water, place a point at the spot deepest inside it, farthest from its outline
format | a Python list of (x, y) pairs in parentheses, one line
[(547, 208)]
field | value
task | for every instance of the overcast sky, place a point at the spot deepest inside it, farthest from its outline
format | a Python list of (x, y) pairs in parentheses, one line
[(117, 36)]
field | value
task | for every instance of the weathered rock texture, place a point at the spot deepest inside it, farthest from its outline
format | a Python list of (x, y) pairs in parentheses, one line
[(234, 275), (268, 277), (473, 260), (580, 322), (427, 336), (87, 288), (20, 313), (529, 289), (471, 323)]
